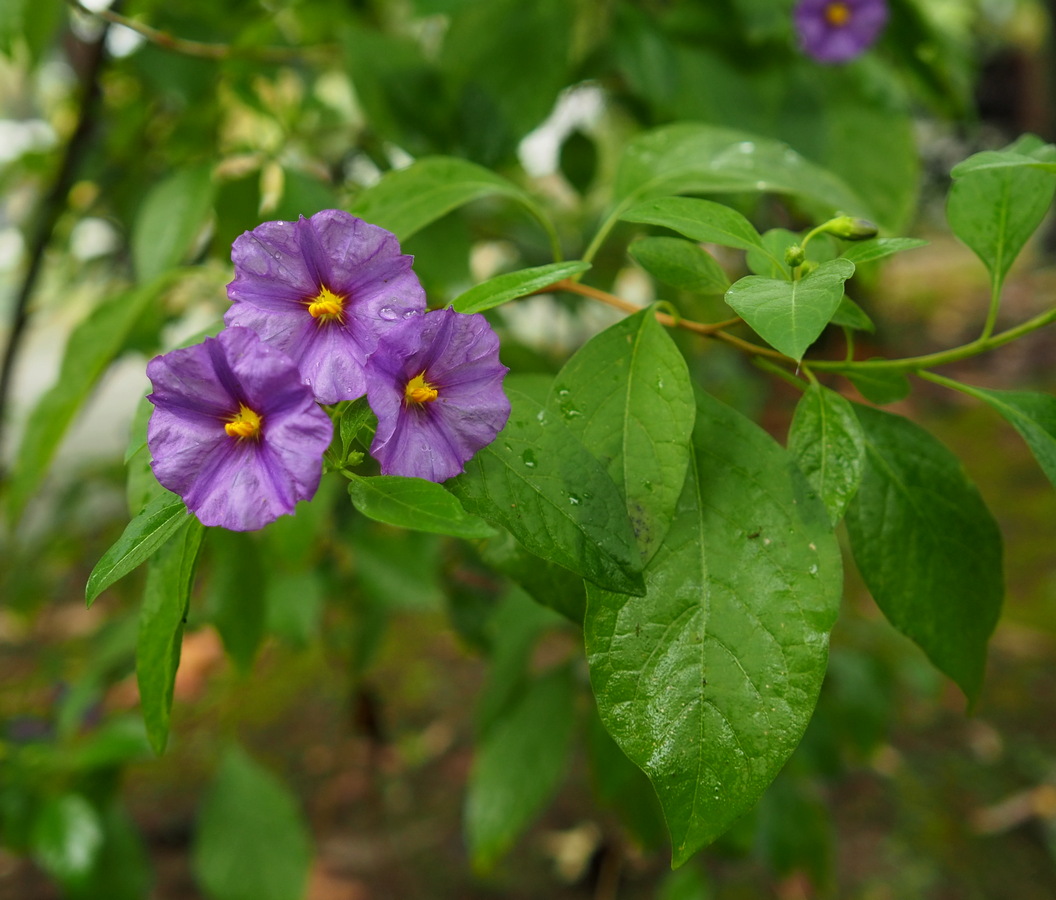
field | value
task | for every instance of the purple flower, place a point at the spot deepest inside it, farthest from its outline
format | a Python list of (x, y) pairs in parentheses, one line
[(836, 31), (234, 432), (436, 388), (323, 290)]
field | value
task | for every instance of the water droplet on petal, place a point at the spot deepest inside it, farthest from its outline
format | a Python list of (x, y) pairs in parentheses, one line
[(410, 313), (388, 314)]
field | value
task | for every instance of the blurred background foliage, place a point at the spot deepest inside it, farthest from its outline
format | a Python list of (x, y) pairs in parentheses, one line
[(332, 699)]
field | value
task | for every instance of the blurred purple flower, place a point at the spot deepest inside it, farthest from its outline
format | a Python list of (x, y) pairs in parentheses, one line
[(234, 432), (323, 290), (836, 31), (436, 387)]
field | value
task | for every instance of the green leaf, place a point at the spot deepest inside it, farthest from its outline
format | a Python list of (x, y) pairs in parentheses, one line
[(995, 210), (708, 682), (989, 160), (407, 200), (790, 315), (826, 441), (850, 315), (161, 621), (502, 288), (681, 264), (1033, 415), (881, 386), (878, 248), (700, 220), (169, 219), (92, 346), (627, 396), (546, 583), (694, 158), (927, 547), (414, 503), (541, 484), (356, 416), (621, 786), (518, 766), (66, 838), (252, 842), (237, 600), (141, 538)]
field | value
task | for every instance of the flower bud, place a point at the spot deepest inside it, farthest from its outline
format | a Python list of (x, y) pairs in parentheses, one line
[(850, 228), (794, 255)]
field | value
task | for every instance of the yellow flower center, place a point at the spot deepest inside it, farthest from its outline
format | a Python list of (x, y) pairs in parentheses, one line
[(419, 390), (327, 306), (243, 424), (837, 14)]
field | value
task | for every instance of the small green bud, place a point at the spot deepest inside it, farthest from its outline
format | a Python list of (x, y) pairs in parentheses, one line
[(809, 265), (794, 255), (850, 228)]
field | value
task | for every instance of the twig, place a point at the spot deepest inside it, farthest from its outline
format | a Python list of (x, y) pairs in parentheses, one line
[(715, 330), (207, 50), (48, 213)]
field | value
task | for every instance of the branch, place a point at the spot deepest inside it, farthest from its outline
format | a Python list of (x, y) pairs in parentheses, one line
[(207, 50), (47, 215), (716, 330)]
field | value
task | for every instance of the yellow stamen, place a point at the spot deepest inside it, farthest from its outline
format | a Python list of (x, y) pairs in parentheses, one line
[(243, 424), (837, 14), (327, 306), (419, 390)]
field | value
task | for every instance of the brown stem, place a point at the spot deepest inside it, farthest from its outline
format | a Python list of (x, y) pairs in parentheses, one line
[(203, 50), (51, 208), (716, 330)]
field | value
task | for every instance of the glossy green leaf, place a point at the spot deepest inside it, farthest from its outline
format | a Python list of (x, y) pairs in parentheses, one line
[(414, 503), (518, 766), (161, 622), (827, 443), (927, 547), (252, 842), (699, 220), (170, 218), (621, 786), (406, 200), (880, 386), (541, 484), (503, 288), (695, 158), (850, 315), (141, 538), (878, 248), (92, 346), (681, 264), (989, 160), (708, 682), (546, 583), (1033, 415), (627, 396), (66, 838), (790, 315), (995, 210)]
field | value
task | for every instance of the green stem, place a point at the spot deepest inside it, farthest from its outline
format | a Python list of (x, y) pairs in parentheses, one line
[(991, 315), (603, 232), (916, 363)]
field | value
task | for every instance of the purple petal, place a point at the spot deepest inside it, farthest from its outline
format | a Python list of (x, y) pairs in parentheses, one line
[(281, 266), (459, 355), (240, 484)]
